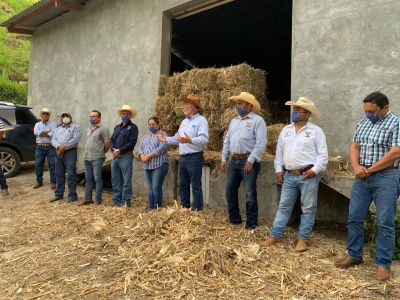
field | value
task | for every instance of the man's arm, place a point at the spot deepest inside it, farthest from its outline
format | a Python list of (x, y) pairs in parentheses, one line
[(106, 145), (386, 161), (1, 135), (359, 171)]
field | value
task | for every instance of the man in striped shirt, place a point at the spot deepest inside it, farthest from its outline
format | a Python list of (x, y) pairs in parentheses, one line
[(3, 183), (374, 155)]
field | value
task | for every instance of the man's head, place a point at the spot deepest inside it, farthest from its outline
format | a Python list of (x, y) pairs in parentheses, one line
[(305, 108), (95, 117), (126, 113), (66, 118), (245, 103), (45, 114), (191, 105), (376, 105)]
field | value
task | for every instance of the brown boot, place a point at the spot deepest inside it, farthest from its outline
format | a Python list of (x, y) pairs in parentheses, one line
[(348, 262), (301, 245), (53, 186), (86, 202), (382, 273), (271, 241), (37, 185)]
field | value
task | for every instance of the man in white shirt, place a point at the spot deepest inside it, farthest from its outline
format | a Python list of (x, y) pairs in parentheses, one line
[(301, 154)]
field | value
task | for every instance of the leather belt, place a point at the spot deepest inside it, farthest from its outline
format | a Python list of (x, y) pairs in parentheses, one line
[(191, 154), (300, 171), (241, 156), (44, 145)]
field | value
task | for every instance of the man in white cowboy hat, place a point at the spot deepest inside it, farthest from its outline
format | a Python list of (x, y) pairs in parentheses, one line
[(245, 140), (44, 131), (375, 158), (301, 154), (122, 142), (65, 140), (192, 138)]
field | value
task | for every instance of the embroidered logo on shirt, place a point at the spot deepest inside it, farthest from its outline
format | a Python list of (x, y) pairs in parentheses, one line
[(383, 128), (129, 127), (248, 124), (194, 127), (308, 134), (288, 133)]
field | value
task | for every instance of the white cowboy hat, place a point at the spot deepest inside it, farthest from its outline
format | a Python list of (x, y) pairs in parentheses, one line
[(249, 98), (128, 108), (45, 110), (307, 104)]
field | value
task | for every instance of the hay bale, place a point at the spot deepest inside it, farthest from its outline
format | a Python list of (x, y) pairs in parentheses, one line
[(273, 135)]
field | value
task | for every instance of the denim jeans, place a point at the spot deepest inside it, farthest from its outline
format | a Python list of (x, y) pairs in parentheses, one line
[(382, 188), (291, 188), (235, 176), (190, 170), (121, 179), (155, 179), (40, 156), (3, 182), (66, 162), (94, 169)]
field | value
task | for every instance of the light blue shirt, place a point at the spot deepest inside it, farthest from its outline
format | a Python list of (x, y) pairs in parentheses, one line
[(150, 144), (67, 136), (246, 135), (197, 128), (41, 126)]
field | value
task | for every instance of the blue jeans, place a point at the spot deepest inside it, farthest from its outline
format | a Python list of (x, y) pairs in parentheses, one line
[(235, 176), (190, 170), (94, 169), (382, 188), (41, 153), (155, 179), (121, 179), (3, 182), (66, 162), (291, 188)]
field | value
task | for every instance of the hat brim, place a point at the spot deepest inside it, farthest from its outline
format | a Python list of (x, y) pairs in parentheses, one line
[(133, 112), (44, 111), (311, 108), (256, 104), (191, 102)]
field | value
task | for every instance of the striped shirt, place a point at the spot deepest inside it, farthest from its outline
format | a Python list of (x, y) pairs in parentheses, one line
[(376, 139), (151, 144), (67, 136), (41, 126)]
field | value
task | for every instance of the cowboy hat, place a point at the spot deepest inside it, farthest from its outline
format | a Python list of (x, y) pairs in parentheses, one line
[(307, 104), (45, 110), (249, 98), (133, 111), (193, 99)]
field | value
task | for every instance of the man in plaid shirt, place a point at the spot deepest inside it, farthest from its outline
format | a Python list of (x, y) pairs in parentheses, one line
[(374, 155)]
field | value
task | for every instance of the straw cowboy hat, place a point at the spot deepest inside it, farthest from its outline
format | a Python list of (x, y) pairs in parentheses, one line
[(45, 110), (127, 107), (249, 98), (307, 104), (193, 99)]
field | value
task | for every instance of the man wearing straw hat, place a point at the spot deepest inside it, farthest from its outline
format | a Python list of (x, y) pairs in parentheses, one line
[(246, 140), (301, 154), (122, 142), (44, 131), (374, 156), (192, 137)]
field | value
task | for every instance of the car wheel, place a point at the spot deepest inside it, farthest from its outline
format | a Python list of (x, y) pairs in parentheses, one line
[(9, 161)]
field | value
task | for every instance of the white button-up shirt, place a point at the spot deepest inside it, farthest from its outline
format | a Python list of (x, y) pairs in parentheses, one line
[(298, 150)]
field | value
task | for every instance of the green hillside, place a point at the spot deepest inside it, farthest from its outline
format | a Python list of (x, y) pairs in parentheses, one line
[(14, 55)]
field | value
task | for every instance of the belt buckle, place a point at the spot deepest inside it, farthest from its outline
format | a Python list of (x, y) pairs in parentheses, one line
[(295, 172)]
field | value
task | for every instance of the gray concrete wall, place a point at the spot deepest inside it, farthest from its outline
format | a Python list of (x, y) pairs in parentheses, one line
[(342, 50)]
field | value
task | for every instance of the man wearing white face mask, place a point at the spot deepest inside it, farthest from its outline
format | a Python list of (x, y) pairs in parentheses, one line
[(65, 140)]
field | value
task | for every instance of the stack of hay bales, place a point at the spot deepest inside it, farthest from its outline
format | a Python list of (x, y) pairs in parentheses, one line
[(214, 87)]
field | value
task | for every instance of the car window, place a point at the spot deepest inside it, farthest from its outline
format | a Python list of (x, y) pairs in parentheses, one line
[(25, 116), (8, 116)]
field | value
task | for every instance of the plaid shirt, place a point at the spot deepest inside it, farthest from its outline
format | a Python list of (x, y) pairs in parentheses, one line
[(376, 139)]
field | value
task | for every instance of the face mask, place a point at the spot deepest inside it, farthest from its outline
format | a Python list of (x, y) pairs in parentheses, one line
[(153, 129), (66, 120), (125, 119), (240, 110), (372, 117), (295, 116), (92, 121)]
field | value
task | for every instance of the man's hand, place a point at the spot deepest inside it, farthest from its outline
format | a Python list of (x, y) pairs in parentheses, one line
[(279, 177), (248, 168), (161, 137), (185, 139), (361, 172), (308, 174), (116, 153), (58, 153), (45, 133), (62, 148), (223, 166)]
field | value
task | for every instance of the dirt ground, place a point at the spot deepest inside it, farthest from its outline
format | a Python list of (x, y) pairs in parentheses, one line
[(63, 251)]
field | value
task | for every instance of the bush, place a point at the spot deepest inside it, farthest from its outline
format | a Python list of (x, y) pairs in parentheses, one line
[(13, 91)]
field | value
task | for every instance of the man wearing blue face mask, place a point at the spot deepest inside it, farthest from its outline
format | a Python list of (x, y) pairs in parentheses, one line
[(122, 142), (96, 147), (246, 140), (301, 154), (374, 156)]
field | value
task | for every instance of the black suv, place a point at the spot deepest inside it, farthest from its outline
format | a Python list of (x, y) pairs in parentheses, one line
[(19, 142)]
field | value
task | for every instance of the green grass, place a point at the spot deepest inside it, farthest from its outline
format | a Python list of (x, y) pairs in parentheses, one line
[(14, 55)]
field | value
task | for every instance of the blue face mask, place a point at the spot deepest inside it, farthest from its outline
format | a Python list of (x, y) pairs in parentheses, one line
[(125, 119), (295, 116), (240, 110), (373, 117), (92, 121), (153, 129)]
